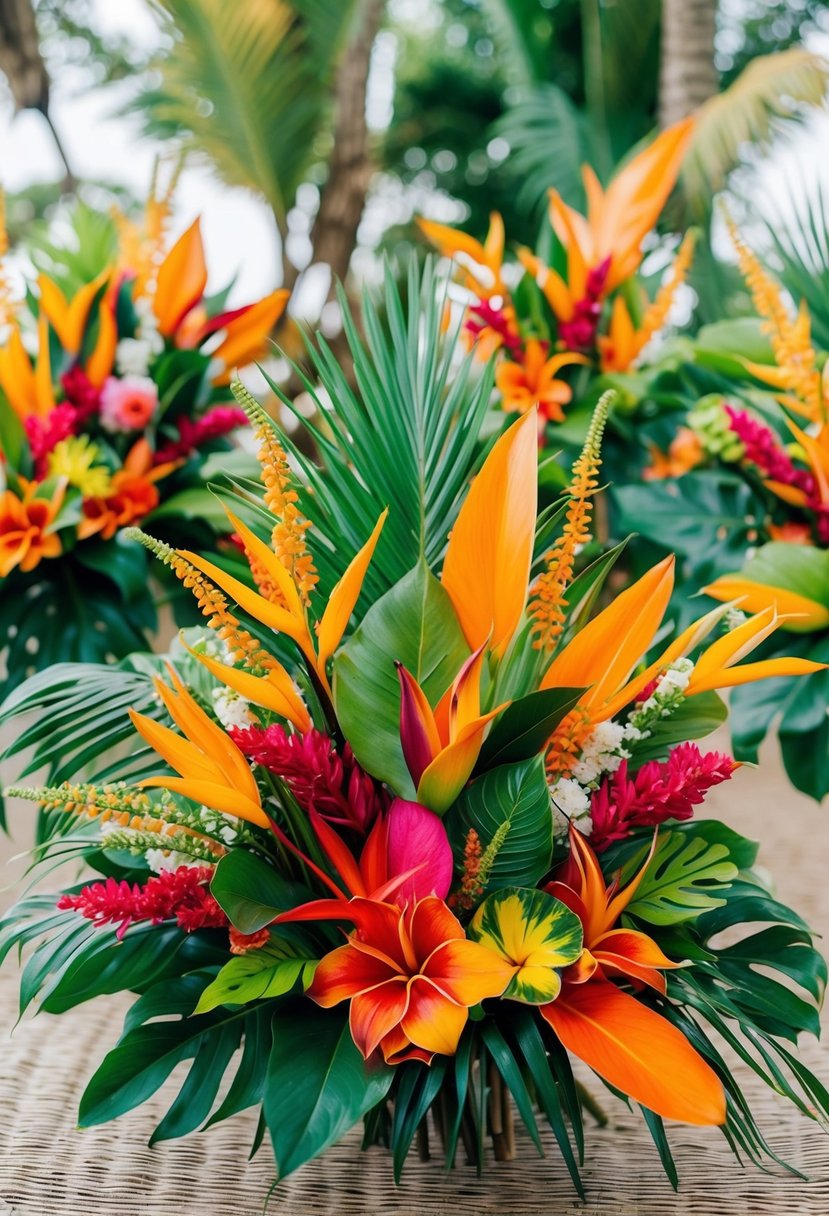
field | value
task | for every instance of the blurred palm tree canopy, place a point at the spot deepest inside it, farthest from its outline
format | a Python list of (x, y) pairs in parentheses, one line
[(348, 116)]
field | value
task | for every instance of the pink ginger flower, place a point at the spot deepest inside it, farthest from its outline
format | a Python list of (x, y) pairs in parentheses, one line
[(180, 894), (44, 434), (128, 404), (483, 317), (658, 791), (579, 333), (319, 777), (215, 424), (763, 449), (80, 392)]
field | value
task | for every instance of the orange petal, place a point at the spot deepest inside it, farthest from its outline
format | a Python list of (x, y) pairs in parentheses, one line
[(754, 597), (17, 376), (208, 793), (44, 392), (375, 1014), (246, 335), (274, 691), (637, 1051), (450, 770), (604, 652), (432, 1021), (179, 753), (182, 279), (343, 973), (99, 364), (341, 602), (766, 669), (468, 972), (251, 601), (487, 564)]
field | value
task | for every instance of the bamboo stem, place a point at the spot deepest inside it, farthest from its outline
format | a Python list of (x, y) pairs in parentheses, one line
[(591, 1105)]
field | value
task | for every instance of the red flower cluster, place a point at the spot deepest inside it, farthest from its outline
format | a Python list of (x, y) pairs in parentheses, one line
[(81, 393), (216, 423), (659, 791), (319, 777), (763, 448), (44, 434), (579, 333), (482, 316), (181, 894)]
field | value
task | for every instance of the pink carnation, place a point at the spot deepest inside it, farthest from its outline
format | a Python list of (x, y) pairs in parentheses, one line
[(128, 404), (659, 791)]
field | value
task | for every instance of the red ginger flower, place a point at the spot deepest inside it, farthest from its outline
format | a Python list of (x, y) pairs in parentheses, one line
[(763, 448), (216, 423), (181, 894), (659, 791), (80, 392), (44, 434), (411, 977), (319, 777), (579, 332)]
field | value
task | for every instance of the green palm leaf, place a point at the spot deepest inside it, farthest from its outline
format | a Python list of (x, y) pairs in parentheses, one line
[(249, 83), (408, 436), (773, 88), (799, 236)]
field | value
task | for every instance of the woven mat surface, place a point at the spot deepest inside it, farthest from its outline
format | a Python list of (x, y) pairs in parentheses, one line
[(48, 1168)]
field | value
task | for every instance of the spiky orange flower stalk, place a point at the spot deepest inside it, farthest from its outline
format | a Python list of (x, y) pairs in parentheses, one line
[(548, 596), (791, 339), (212, 604), (281, 499), (567, 742)]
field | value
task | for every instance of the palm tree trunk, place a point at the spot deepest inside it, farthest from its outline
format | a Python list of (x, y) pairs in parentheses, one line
[(350, 168), (688, 74)]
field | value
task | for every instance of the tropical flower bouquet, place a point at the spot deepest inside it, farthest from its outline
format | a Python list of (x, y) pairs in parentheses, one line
[(416, 827), (114, 392), (572, 319), (758, 456)]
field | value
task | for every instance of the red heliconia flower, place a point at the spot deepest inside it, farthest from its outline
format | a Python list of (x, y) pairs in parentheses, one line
[(193, 434), (180, 894), (319, 777), (659, 791), (497, 325)]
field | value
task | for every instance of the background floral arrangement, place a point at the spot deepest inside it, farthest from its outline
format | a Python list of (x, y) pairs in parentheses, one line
[(756, 461), (114, 392), (486, 785), (576, 303)]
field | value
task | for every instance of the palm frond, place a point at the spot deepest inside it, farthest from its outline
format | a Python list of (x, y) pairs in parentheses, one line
[(522, 32), (772, 89), (548, 145), (248, 86), (799, 238), (407, 436)]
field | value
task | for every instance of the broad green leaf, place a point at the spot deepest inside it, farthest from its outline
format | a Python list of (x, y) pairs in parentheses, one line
[(317, 1085), (516, 795), (536, 932), (415, 624), (685, 877), (694, 718), (803, 569), (741, 851), (521, 731), (251, 892), (255, 976)]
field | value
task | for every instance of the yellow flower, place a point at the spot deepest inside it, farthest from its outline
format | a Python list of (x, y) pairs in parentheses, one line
[(74, 458)]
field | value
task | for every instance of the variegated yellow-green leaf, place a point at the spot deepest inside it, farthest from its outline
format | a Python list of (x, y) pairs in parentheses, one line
[(534, 931)]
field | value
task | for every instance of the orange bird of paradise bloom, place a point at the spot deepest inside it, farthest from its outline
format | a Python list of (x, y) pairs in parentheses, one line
[(631, 1046)]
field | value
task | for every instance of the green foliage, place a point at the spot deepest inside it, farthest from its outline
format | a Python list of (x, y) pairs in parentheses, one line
[(257, 976), (414, 624), (694, 718), (799, 237), (803, 569), (686, 874), (514, 794), (524, 727), (408, 437), (81, 716), (248, 87), (798, 706), (317, 1085), (103, 613), (251, 892)]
